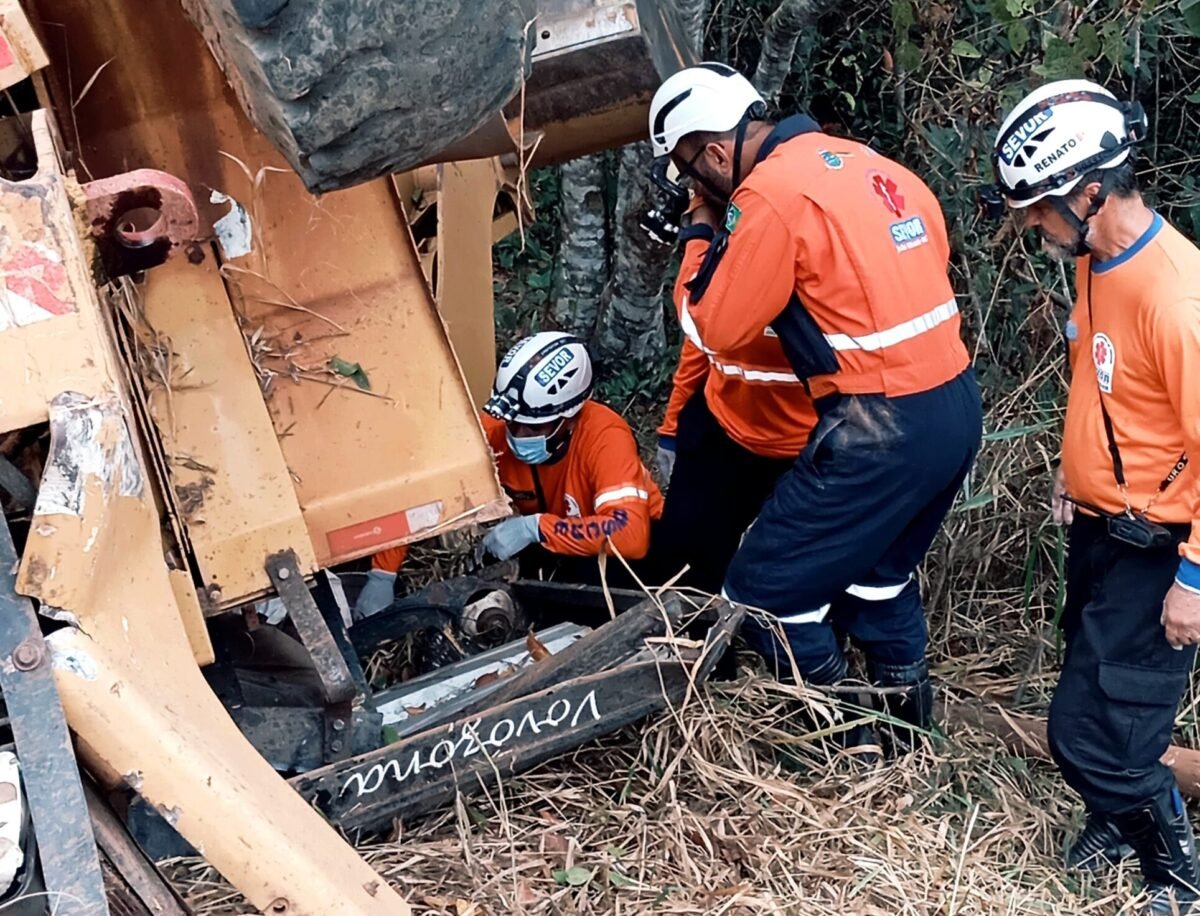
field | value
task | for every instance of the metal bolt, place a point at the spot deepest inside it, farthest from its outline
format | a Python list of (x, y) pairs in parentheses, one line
[(339, 724), (336, 747), (28, 655), (284, 573), (279, 905)]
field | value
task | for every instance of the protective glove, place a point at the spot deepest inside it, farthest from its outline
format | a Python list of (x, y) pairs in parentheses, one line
[(664, 458), (377, 594), (512, 536)]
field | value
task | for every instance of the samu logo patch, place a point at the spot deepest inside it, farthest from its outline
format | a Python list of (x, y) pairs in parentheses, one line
[(1105, 358), (909, 233)]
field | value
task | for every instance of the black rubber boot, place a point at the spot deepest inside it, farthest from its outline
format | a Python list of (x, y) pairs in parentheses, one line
[(913, 706), (1098, 847), (1161, 835), (858, 742)]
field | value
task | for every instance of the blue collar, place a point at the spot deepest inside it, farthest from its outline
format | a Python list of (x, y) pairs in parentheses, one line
[(1099, 267), (787, 129)]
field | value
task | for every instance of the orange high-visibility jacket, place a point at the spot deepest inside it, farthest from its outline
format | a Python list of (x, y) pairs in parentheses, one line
[(758, 401), (1143, 353), (840, 252), (599, 490)]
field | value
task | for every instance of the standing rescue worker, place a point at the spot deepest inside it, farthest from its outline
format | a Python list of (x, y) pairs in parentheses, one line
[(730, 431), (840, 255), (1064, 163)]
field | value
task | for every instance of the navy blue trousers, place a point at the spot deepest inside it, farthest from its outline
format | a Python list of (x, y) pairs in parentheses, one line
[(715, 492), (1114, 707), (835, 549)]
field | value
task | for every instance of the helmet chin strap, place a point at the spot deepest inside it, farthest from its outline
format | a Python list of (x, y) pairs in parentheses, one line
[(739, 141), (1080, 224), (558, 441)]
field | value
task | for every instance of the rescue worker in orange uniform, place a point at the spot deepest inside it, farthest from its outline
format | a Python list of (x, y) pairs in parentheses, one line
[(569, 464), (841, 256), (1064, 161), (730, 431)]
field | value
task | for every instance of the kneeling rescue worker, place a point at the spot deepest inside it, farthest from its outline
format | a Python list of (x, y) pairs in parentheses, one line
[(1064, 162), (842, 255), (569, 464)]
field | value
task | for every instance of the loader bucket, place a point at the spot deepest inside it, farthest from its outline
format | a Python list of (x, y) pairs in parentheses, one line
[(300, 386)]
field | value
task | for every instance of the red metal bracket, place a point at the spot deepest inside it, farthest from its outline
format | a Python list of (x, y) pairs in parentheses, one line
[(140, 219)]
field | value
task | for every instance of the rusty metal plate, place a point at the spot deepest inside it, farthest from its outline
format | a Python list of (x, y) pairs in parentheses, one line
[(66, 847)]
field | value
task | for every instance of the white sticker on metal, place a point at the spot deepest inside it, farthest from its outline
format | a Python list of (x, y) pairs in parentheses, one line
[(422, 517), (234, 230)]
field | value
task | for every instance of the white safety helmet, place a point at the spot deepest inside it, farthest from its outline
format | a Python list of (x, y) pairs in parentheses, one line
[(544, 377), (1058, 134), (709, 97)]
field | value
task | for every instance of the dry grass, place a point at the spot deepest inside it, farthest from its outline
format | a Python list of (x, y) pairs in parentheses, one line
[(730, 806), (724, 807)]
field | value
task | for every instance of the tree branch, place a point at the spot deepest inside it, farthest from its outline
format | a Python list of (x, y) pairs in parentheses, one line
[(693, 14), (780, 35)]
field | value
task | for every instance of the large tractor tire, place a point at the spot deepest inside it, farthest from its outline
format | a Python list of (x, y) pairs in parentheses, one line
[(352, 89)]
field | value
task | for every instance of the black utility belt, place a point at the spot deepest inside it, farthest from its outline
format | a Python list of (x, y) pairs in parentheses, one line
[(1132, 528)]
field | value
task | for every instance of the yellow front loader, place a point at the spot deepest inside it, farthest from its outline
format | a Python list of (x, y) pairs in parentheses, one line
[(245, 323)]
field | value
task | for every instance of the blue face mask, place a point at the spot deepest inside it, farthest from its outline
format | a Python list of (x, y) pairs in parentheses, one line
[(531, 449)]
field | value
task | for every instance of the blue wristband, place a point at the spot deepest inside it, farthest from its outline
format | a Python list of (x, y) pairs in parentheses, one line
[(667, 442), (1188, 575)]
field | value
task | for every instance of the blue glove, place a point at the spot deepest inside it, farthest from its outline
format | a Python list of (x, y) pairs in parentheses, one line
[(664, 458), (377, 594), (512, 536)]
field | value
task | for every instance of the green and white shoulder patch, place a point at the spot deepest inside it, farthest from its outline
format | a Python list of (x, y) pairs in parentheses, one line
[(732, 214)]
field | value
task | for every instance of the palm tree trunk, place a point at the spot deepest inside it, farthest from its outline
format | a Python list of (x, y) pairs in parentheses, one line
[(583, 251)]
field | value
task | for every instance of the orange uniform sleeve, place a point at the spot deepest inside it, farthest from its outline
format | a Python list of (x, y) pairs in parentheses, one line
[(389, 560), (1177, 345), (494, 430), (621, 509), (689, 378), (750, 286)]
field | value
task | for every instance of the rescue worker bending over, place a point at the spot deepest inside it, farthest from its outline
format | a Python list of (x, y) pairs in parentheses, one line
[(1064, 161), (840, 255), (732, 427), (569, 464), (558, 454)]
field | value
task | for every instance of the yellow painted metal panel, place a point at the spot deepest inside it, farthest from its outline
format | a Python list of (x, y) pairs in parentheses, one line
[(47, 343), (466, 201), (21, 53), (229, 481), (369, 470), (126, 670)]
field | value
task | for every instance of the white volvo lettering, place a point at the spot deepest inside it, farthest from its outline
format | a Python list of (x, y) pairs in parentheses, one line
[(562, 712)]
